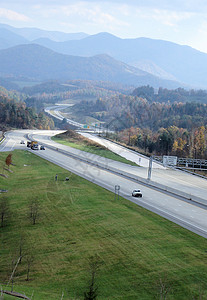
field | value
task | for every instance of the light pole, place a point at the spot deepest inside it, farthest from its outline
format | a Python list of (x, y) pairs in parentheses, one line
[(150, 168)]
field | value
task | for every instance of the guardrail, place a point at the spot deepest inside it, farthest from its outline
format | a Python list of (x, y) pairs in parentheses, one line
[(2, 139), (149, 183), (192, 173)]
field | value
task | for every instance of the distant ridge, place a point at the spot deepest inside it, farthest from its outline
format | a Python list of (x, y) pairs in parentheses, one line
[(10, 39), (39, 63), (184, 63), (35, 33)]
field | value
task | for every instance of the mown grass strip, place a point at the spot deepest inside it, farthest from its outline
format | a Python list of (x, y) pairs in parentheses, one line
[(135, 248), (75, 140)]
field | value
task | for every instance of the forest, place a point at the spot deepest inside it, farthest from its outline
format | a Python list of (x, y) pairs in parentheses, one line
[(160, 128), (168, 141), (166, 95), (15, 114)]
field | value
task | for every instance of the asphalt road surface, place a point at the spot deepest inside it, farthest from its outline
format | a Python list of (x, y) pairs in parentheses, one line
[(172, 207)]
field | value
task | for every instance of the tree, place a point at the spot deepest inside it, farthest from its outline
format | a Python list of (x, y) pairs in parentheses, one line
[(164, 288), (94, 267), (4, 209), (8, 160), (14, 267), (11, 279), (166, 141), (21, 243), (201, 141), (30, 260), (34, 211)]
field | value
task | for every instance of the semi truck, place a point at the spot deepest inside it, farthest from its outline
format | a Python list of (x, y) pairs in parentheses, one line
[(34, 145)]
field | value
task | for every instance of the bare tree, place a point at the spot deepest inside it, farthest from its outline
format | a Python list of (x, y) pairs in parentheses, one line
[(94, 267), (164, 288), (34, 211), (4, 211), (14, 267), (30, 260), (13, 273), (17, 295), (21, 243), (11, 279)]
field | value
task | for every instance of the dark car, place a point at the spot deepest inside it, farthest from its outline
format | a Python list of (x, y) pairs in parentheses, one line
[(42, 148)]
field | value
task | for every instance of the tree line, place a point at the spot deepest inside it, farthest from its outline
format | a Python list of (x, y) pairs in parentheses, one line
[(167, 141), (166, 95), (18, 115)]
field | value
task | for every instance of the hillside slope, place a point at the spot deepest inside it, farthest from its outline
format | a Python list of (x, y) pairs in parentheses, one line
[(181, 62)]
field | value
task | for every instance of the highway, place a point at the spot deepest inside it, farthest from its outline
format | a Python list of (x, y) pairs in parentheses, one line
[(107, 174), (55, 111), (173, 179)]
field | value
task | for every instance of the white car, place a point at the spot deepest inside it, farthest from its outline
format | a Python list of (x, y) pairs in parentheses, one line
[(136, 193), (22, 142)]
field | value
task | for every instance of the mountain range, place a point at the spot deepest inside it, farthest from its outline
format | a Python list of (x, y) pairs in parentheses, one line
[(39, 63), (181, 63), (101, 56)]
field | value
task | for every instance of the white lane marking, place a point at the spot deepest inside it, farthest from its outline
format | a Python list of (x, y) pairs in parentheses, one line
[(6, 142), (13, 145)]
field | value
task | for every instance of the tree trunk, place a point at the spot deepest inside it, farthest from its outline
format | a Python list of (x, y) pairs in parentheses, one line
[(15, 294)]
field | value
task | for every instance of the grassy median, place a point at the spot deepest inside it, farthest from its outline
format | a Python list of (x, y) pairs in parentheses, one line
[(76, 140), (80, 225)]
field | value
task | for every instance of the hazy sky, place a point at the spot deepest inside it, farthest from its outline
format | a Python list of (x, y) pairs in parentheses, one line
[(180, 21)]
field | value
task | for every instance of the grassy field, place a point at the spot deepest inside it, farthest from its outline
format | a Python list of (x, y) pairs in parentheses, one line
[(75, 140), (135, 249)]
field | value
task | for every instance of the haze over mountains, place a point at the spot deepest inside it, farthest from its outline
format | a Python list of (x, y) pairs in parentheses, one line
[(102, 56), (36, 62), (31, 34)]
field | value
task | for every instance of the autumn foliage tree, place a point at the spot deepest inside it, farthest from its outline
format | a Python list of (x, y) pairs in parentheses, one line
[(8, 160)]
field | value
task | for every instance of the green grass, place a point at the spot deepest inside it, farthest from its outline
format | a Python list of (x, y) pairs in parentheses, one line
[(93, 149), (78, 220)]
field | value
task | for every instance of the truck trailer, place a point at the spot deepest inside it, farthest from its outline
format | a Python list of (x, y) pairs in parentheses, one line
[(34, 145)]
